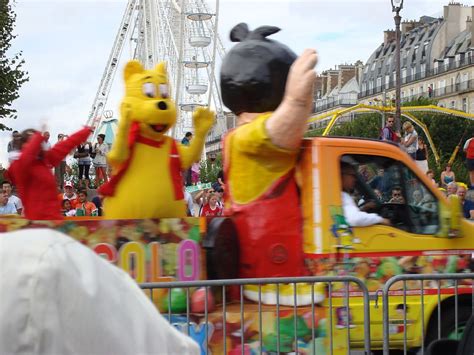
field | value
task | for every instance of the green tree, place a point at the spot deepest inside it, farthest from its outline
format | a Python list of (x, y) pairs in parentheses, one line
[(445, 130), (12, 77), (208, 171)]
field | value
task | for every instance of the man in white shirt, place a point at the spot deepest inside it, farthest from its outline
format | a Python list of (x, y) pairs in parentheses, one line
[(59, 297), (46, 143), (5, 206), (354, 216), (12, 199)]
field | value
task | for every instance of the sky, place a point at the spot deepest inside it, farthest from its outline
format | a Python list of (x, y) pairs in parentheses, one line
[(66, 44)]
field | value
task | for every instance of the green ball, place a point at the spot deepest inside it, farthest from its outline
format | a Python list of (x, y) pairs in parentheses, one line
[(178, 301)]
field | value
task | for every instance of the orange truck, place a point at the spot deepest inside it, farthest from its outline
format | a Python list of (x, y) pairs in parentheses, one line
[(427, 234)]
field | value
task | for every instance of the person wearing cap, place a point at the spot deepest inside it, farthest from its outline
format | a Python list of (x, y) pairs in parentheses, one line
[(100, 162), (68, 194), (59, 297), (270, 90)]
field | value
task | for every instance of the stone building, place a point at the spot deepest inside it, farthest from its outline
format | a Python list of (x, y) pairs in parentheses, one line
[(336, 88), (436, 60)]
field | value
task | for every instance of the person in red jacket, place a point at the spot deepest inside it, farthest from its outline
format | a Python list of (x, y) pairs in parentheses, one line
[(469, 149), (32, 173)]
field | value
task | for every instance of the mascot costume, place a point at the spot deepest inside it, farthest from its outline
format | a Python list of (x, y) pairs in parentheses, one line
[(270, 89), (147, 164)]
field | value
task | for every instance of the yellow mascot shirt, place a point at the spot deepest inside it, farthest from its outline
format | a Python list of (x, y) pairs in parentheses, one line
[(255, 162)]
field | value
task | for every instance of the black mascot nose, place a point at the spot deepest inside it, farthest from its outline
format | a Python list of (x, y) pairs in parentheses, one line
[(162, 105)]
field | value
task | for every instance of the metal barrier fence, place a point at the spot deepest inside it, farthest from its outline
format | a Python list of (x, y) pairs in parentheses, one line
[(428, 307), (335, 296), (463, 301)]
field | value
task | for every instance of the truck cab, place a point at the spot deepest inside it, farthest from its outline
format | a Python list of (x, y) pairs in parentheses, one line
[(421, 217)]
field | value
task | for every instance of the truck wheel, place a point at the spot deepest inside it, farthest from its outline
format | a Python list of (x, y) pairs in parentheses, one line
[(222, 249), (448, 327)]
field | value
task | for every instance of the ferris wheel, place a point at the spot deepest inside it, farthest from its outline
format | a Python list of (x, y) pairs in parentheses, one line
[(184, 34)]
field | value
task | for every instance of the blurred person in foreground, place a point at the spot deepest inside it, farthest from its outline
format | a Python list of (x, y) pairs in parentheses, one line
[(64, 299)]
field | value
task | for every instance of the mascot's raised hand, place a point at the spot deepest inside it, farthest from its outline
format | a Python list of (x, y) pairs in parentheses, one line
[(203, 119), (147, 163)]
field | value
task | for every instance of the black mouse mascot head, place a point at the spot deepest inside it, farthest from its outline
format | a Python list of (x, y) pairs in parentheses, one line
[(254, 71)]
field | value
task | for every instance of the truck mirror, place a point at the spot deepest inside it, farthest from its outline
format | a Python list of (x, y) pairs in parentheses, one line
[(450, 217), (456, 213)]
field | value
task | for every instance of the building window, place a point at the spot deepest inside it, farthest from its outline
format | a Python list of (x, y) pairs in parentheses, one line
[(421, 89), (373, 65), (423, 69), (464, 104), (465, 81), (442, 87), (379, 81), (453, 104), (387, 80)]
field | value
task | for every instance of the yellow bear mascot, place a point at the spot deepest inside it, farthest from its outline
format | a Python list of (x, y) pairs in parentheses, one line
[(147, 164)]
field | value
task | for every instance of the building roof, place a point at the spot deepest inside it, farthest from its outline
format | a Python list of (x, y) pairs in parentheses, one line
[(415, 48), (351, 86), (460, 44), (334, 91), (429, 48)]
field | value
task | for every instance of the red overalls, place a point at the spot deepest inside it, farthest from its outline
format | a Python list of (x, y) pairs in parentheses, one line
[(270, 228)]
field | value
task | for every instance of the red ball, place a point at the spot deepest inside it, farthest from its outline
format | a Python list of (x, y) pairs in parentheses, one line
[(198, 301)]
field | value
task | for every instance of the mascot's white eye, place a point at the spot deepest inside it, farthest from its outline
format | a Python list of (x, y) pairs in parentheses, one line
[(164, 91), (149, 89)]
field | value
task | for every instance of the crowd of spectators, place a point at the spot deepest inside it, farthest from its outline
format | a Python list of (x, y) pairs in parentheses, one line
[(77, 183)]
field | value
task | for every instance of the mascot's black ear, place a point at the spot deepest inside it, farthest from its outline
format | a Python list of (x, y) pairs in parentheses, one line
[(239, 32), (263, 31)]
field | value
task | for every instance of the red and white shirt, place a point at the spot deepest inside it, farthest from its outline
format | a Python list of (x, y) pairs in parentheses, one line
[(207, 211)]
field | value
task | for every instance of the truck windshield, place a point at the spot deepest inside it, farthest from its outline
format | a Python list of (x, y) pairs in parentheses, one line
[(398, 193)]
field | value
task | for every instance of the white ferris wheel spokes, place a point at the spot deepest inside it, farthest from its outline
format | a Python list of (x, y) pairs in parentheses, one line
[(184, 34)]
